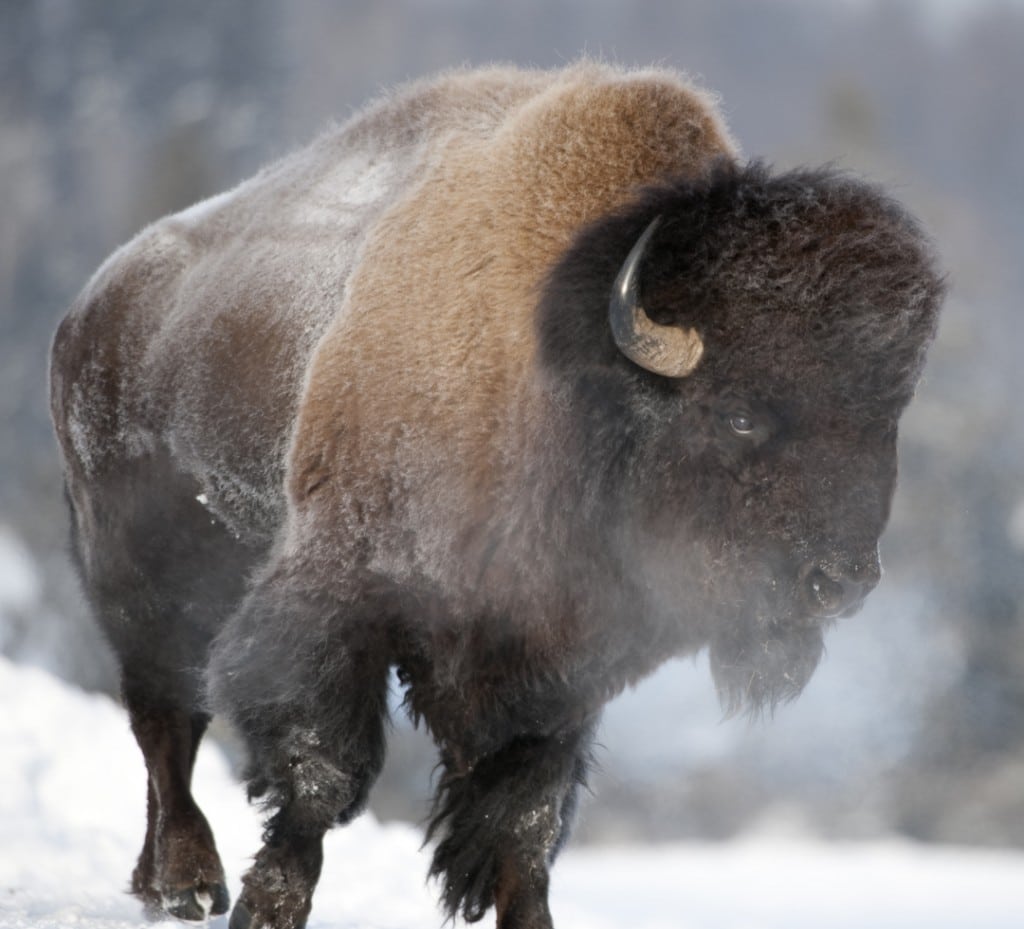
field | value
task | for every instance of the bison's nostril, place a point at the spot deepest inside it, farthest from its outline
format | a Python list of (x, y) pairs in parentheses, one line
[(867, 575), (829, 596), (825, 594)]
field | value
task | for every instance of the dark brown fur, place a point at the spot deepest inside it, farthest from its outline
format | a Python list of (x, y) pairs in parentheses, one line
[(485, 494)]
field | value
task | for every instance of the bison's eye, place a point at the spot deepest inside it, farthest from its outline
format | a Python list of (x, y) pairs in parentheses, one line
[(744, 425), (741, 424)]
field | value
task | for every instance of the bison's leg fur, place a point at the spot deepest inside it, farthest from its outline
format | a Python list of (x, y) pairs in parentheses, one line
[(178, 872), (160, 574), (304, 679), (502, 822), (278, 889)]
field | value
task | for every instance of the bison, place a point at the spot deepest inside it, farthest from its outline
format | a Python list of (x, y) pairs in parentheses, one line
[(518, 383)]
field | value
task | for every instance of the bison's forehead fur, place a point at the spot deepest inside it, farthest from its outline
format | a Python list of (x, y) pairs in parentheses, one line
[(815, 297), (810, 282)]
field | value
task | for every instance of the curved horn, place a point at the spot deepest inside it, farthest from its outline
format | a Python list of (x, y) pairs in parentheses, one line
[(667, 350)]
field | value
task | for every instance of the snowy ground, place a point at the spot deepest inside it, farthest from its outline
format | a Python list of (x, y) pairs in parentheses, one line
[(71, 821)]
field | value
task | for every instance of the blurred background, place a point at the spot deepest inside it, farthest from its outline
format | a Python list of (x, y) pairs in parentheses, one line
[(114, 112)]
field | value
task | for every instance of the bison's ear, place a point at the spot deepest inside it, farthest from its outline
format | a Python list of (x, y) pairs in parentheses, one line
[(667, 350)]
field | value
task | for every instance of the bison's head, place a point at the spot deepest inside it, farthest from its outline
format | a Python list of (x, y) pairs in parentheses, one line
[(738, 402)]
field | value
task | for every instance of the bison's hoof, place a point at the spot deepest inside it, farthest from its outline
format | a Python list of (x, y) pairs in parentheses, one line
[(249, 914), (197, 904), (241, 918)]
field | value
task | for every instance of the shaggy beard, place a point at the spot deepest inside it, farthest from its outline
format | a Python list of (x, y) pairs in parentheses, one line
[(745, 604), (756, 667), (763, 647)]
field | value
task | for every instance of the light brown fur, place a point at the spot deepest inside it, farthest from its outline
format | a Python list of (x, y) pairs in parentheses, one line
[(200, 330), (447, 286)]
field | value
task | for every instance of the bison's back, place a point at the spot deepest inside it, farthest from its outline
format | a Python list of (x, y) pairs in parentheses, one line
[(409, 244), (194, 337)]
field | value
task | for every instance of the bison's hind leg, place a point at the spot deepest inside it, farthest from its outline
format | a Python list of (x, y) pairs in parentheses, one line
[(160, 575), (178, 872)]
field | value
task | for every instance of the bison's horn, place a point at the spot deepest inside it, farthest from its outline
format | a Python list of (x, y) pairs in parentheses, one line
[(666, 350)]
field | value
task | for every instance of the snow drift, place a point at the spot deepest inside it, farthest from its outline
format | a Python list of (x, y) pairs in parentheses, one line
[(72, 797)]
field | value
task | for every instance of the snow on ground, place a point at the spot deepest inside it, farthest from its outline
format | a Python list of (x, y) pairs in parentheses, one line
[(72, 814)]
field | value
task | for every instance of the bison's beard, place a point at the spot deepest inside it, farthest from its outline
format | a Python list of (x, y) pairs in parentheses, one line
[(756, 667), (745, 603)]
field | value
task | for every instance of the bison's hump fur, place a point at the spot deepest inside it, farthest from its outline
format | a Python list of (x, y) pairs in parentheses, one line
[(368, 411)]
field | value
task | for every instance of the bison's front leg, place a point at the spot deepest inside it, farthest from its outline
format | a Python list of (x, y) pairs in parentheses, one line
[(278, 889), (305, 682), (503, 820)]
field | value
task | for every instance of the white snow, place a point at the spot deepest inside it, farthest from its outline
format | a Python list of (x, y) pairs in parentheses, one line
[(72, 803)]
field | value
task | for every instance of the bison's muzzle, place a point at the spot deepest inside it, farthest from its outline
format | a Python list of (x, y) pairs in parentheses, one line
[(831, 591)]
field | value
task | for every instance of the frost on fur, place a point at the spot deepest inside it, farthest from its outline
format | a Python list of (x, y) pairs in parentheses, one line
[(409, 398)]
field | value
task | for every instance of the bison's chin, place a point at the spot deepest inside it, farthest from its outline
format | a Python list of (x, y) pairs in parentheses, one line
[(757, 667)]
